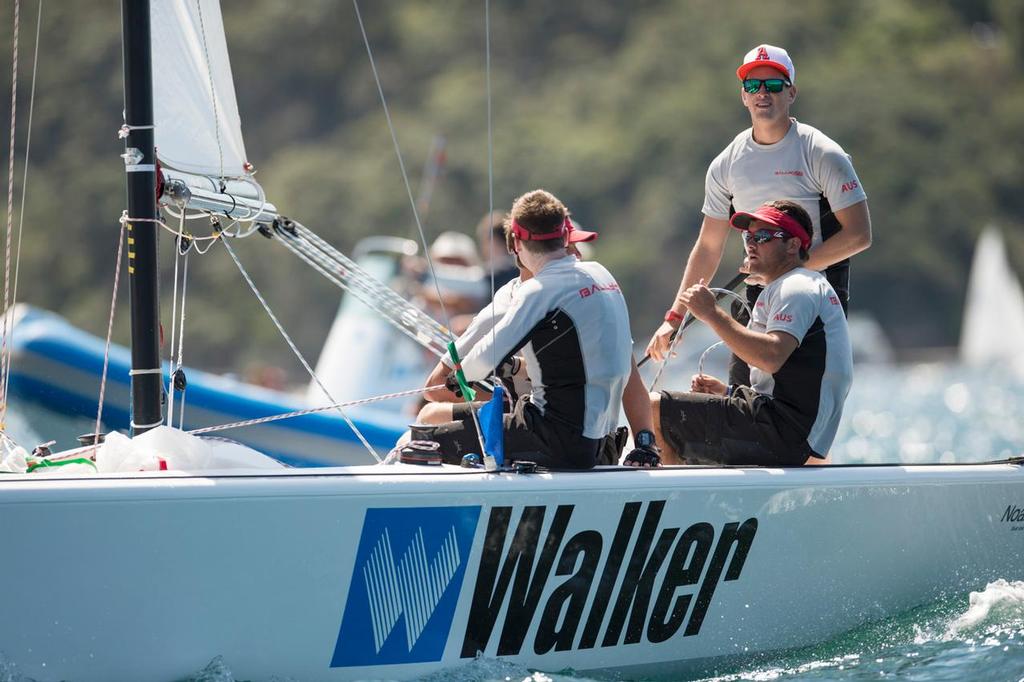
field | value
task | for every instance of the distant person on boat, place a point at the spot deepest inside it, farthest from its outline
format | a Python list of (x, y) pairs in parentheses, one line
[(797, 345), (490, 236), (776, 158), (571, 324), (455, 287), (444, 405)]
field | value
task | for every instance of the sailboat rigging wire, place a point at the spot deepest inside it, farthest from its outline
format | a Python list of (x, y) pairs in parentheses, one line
[(181, 345), (490, 165), (10, 215), (405, 318), (432, 169), (21, 214), (110, 331), (315, 410), (489, 461), (179, 254), (296, 351), (405, 176), (349, 276), (174, 321)]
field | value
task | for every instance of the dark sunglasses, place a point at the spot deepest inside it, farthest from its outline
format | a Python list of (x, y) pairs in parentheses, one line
[(752, 85), (763, 236)]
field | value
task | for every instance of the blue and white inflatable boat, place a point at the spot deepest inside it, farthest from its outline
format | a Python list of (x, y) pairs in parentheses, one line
[(58, 367)]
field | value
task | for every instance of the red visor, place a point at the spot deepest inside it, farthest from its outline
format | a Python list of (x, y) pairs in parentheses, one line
[(577, 235), (527, 236), (773, 216)]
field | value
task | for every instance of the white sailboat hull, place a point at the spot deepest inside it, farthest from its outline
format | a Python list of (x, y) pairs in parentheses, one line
[(397, 572)]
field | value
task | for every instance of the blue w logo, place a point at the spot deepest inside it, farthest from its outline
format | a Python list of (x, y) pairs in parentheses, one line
[(419, 585)]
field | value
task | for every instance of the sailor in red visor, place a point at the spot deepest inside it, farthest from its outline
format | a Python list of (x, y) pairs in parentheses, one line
[(569, 322), (797, 345)]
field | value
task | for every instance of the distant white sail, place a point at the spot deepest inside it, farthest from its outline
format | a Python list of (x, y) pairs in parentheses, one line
[(198, 129), (993, 322)]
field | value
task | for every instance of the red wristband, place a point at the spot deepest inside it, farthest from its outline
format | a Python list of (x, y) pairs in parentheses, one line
[(673, 316)]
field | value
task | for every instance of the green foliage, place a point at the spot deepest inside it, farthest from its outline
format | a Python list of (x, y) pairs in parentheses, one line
[(616, 107)]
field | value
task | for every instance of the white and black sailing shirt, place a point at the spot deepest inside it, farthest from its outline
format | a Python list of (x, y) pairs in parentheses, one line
[(572, 325), (811, 386), (482, 325), (805, 166)]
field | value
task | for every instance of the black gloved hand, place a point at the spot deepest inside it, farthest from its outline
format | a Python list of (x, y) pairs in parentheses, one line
[(451, 382), (643, 457)]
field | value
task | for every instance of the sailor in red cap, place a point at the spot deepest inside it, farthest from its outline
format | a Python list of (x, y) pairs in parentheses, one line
[(444, 406), (797, 345), (569, 323), (777, 157)]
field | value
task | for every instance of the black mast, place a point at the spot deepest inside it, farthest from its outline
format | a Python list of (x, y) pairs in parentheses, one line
[(140, 172)]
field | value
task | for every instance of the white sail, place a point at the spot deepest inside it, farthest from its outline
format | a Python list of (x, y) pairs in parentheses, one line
[(198, 129), (993, 322)]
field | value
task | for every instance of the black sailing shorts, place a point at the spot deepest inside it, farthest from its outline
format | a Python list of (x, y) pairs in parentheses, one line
[(528, 436), (740, 429)]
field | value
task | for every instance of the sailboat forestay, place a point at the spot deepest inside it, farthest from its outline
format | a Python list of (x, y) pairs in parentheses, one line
[(402, 570)]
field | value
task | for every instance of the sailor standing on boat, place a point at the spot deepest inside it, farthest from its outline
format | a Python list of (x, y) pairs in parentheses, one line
[(797, 345), (571, 324), (776, 158)]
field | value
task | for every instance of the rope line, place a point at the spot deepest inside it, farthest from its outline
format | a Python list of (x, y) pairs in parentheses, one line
[(125, 218), (490, 167), (405, 176), (174, 320), (21, 216), (178, 331), (315, 410), (10, 214), (296, 351), (675, 339), (110, 332), (181, 343)]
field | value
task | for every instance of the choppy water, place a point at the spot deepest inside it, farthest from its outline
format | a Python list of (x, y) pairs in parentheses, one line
[(921, 413)]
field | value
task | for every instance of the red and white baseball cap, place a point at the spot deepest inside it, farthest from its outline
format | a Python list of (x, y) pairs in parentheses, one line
[(768, 55)]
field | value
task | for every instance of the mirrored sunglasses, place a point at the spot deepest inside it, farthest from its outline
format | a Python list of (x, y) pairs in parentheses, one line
[(763, 236), (752, 85)]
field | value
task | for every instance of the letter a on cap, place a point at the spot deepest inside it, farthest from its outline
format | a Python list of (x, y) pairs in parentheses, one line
[(767, 55)]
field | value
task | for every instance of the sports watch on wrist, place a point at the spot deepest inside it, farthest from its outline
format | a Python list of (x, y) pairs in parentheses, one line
[(644, 439)]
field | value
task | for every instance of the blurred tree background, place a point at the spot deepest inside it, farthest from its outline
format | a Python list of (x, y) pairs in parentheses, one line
[(615, 107)]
